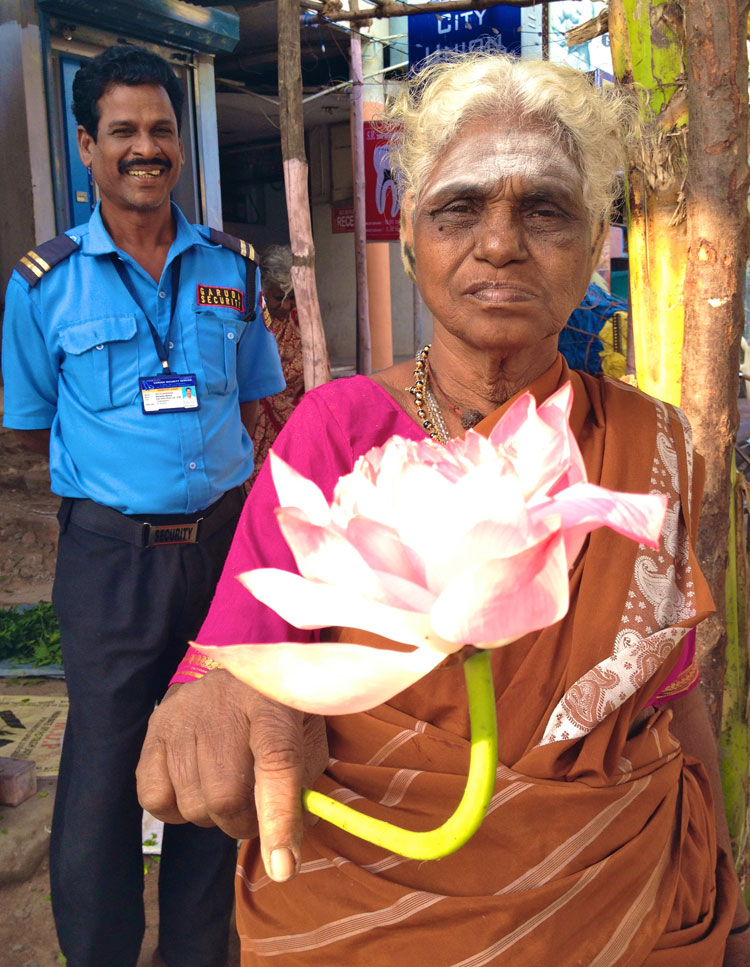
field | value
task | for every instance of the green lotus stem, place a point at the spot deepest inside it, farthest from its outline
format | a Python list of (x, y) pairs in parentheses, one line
[(480, 783)]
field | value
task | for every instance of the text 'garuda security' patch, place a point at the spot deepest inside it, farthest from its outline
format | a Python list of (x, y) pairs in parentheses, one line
[(220, 295)]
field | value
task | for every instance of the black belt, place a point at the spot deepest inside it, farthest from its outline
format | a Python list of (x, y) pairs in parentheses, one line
[(154, 530)]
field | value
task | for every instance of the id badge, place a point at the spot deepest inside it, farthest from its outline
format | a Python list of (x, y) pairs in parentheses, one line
[(169, 394)]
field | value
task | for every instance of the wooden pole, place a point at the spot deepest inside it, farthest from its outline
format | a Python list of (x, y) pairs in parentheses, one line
[(364, 355), (314, 352), (717, 239)]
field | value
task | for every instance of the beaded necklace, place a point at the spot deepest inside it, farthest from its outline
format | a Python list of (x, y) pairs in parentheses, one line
[(427, 406)]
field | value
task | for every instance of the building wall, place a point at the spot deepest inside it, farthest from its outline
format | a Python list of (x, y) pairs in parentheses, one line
[(335, 273), (331, 184), (26, 206)]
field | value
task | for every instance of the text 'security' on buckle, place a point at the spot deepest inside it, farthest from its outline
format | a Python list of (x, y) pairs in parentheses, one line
[(171, 534)]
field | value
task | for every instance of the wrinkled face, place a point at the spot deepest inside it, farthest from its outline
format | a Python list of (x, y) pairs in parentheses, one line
[(137, 156), (502, 238), (279, 306)]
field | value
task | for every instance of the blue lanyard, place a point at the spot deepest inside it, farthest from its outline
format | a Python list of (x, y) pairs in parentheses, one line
[(161, 349)]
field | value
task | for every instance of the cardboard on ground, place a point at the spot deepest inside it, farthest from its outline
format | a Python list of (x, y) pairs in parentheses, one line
[(32, 727)]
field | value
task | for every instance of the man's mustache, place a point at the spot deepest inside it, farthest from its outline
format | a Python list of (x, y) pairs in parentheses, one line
[(125, 166)]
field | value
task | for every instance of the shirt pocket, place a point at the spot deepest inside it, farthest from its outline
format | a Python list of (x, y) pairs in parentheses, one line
[(219, 335), (101, 361)]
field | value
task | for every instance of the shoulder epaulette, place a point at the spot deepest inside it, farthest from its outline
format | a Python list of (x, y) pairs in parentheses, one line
[(37, 261), (246, 250), (238, 245)]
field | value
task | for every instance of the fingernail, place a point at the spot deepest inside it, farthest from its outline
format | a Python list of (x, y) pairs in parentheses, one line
[(283, 865)]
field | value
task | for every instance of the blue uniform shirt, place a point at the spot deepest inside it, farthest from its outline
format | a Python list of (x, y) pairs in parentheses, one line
[(76, 344)]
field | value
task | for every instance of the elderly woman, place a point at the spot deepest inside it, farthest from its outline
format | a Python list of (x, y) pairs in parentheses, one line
[(600, 844), (280, 314)]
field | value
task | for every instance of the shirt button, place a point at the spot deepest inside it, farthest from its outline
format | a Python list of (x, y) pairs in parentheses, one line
[(230, 335), (192, 465), (171, 345), (100, 346), (162, 295)]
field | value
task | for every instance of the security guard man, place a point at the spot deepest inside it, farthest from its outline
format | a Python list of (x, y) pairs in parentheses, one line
[(134, 352)]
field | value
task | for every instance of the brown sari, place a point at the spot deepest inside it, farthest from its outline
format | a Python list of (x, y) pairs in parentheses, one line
[(599, 845)]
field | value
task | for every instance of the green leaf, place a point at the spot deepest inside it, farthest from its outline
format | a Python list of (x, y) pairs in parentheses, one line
[(30, 636)]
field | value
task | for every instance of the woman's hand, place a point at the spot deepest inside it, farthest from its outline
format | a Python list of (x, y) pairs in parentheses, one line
[(217, 753)]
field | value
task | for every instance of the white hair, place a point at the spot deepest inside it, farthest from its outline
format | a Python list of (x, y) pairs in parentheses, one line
[(590, 123), (276, 267)]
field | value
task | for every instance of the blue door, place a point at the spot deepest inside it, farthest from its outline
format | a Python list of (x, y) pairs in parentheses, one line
[(81, 197)]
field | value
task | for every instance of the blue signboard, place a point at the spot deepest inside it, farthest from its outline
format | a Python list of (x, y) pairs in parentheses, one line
[(498, 28)]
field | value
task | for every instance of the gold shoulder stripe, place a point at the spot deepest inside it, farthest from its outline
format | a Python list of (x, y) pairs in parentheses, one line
[(30, 265), (39, 260)]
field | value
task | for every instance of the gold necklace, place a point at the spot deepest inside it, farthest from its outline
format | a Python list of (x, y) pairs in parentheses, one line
[(428, 410)]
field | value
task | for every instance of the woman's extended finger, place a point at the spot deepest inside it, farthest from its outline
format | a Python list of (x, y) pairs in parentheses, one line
[(277, 743)]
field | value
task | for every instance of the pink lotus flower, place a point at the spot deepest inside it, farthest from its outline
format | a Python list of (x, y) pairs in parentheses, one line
[(433, 546)]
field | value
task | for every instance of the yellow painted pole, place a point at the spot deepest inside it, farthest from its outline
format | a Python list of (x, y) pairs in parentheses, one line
[(647, 55)]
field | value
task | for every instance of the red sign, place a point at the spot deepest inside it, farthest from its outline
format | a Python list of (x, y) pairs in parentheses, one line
[(382, 206), (342, 219)]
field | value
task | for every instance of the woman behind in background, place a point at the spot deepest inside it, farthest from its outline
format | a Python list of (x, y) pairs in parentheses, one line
[(280, 315)]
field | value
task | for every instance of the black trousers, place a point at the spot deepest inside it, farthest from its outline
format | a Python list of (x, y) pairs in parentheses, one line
[(126, 614)]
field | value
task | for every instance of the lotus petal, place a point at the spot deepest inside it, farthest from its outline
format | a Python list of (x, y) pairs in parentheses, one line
[(555, 412), (487, 541), (637, 516), (324, 554), (325, 679), (295, 490), (381, 547), (499, 601), (308, 604)]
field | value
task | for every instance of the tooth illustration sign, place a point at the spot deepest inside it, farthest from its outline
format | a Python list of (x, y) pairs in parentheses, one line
[(382, 215), (384, 182)]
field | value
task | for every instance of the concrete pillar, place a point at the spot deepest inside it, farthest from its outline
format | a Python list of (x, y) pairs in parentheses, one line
[(378, 253)]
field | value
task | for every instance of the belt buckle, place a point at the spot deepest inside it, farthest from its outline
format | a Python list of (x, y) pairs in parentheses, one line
[(159, 534)]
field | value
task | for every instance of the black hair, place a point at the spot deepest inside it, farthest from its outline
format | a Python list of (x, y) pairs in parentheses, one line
[(121, 64)]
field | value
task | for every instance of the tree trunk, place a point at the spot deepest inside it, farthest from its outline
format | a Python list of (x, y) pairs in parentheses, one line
[(314, 352), (717, 235), (647, 52)]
